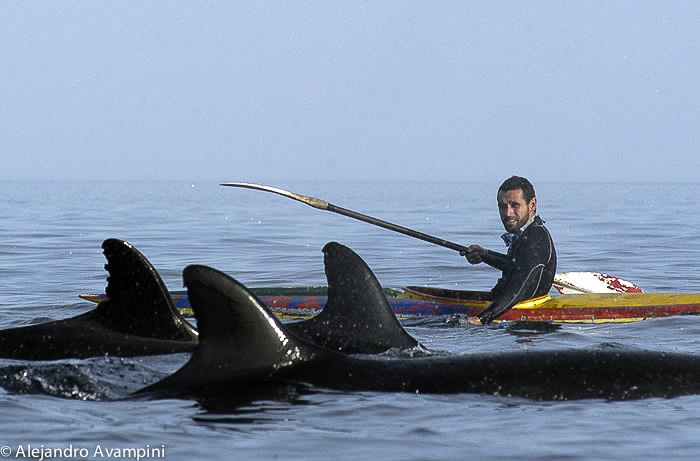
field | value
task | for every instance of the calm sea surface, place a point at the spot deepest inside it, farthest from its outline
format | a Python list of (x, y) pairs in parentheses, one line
[(50, 236)]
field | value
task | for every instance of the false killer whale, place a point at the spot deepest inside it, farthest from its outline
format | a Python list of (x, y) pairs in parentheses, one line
[(243, 346), (139, 317)]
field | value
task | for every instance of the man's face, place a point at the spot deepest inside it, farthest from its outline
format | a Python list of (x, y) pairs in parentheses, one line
[(514, 210)]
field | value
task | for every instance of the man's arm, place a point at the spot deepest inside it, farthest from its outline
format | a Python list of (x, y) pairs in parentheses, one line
[(498, 260), (476, 254)]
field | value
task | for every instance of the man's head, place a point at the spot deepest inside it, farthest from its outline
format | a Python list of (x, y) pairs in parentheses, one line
[(517, 203)]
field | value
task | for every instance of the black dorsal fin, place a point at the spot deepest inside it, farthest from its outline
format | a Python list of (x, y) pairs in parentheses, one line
[(138, 301), (357, 317), (240, 339)]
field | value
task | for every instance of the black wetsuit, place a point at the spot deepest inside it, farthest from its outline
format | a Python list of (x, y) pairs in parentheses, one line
[(528, 270)]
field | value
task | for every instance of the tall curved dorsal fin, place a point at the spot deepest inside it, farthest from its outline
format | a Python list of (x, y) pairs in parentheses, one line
[(139, 318), (240, 339), (357, 317), (138, 301)]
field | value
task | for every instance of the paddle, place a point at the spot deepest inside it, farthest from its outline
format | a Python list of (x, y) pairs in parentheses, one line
[(561, 282), (323, 205)]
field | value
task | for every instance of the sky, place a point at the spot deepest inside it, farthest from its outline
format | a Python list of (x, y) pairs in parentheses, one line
[(377, 90)]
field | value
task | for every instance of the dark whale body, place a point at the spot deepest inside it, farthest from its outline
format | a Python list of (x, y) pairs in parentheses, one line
[(243, 347)]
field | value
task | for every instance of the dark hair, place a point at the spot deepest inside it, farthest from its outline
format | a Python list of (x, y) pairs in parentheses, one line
[(518, 182)]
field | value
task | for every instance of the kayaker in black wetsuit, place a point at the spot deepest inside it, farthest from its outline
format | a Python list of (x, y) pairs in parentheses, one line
[(531, 262)]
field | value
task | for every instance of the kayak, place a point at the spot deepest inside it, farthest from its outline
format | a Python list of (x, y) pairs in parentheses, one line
[(416, 302)]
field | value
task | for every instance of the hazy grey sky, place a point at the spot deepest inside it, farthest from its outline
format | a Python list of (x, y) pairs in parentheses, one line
[(268, 91)]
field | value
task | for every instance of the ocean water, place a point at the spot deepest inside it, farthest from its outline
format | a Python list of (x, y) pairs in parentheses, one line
[(50, 236)]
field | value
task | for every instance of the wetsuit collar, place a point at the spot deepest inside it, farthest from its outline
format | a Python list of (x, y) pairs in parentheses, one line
[(511, 237)]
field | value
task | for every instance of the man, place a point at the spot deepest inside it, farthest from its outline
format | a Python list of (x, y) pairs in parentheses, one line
[(531, 262)]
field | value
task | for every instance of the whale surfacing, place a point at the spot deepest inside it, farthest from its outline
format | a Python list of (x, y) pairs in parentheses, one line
[(243, 346), (139, 318)]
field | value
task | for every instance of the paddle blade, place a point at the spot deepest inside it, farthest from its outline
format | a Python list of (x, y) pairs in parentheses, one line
[(592, 282), (311, 201)]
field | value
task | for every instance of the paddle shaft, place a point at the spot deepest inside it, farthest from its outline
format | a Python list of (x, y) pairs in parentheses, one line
[(323, 205), (396, 228)]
